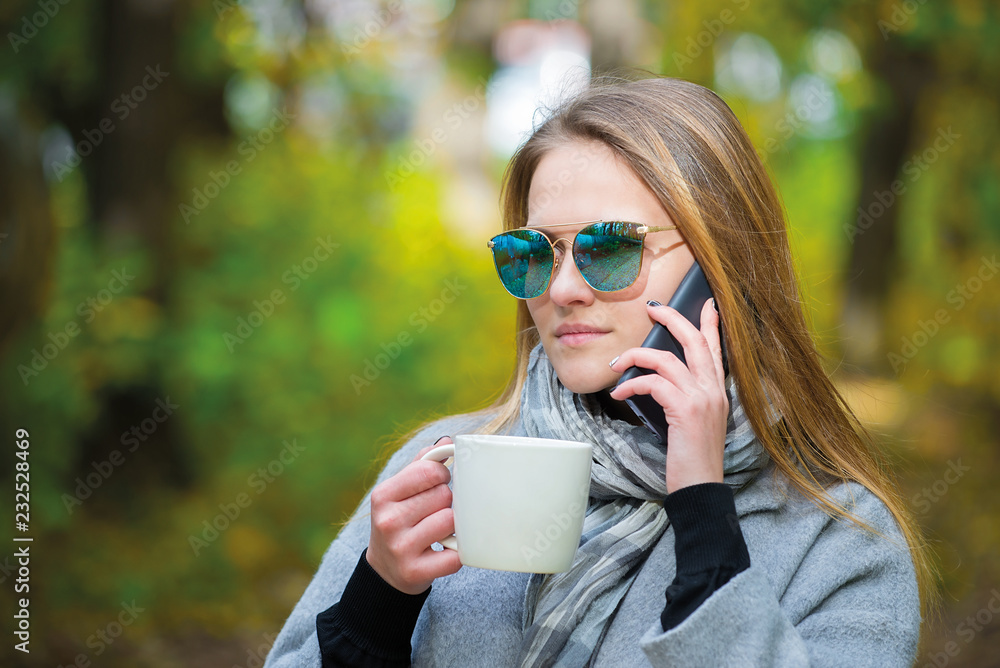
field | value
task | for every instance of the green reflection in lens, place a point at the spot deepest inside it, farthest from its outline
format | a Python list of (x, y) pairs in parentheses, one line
[(609, 255), (523, 260)]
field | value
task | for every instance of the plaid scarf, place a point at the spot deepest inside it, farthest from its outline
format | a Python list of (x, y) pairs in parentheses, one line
[(567, 614)]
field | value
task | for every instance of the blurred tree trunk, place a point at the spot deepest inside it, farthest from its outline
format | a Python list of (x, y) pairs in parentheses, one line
[(152, 110), (888, 144), (27, 235)]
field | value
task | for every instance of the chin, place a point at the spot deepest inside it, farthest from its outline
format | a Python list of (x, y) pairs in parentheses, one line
[(587, 381)]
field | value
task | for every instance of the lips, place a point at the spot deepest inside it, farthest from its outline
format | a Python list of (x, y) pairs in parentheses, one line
[(565, 329), (577, 335)]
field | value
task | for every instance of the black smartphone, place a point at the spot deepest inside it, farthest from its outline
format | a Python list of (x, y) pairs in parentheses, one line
[(689, 298)]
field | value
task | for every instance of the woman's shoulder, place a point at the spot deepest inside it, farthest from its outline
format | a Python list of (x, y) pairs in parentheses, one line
[(862, 543), (853, 510), (864, 504)]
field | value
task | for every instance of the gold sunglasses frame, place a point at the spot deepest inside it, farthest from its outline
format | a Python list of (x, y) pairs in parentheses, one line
[(643, 230)]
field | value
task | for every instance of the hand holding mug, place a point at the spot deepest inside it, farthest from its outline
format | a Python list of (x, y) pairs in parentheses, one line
[(409, 512), (519, 501)]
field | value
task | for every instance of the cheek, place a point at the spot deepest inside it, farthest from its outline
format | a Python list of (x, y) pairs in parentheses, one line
[(533, 312), (636, 328), (641, 333), (540, 313)]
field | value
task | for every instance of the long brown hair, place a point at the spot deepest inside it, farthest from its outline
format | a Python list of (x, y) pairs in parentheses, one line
[(691, 151)]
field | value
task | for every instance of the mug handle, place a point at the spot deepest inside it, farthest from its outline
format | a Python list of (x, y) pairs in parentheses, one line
[(442, 453)]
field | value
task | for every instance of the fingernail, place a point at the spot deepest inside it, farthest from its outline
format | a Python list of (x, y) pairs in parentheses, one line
[(441, 439), (612, 362), (714, 305), (653, 302)]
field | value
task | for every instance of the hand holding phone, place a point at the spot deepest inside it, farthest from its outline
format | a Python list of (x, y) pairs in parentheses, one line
[(688, 299)]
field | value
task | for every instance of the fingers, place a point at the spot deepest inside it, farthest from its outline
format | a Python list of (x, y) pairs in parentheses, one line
[(409, 512), (692, 396), (411, 540), (416, 492), (702, 349), (661, 362), (413, 479), (423, 451), (662, 390), (433, 528), (696, 349), (444, 440), (411, 571), (713, 336), (427, 567)]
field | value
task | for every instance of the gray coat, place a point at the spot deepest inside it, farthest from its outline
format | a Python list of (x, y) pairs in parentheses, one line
[(819, 592)]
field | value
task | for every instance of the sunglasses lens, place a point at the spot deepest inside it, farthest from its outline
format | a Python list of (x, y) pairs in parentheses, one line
[(609, 255), (524, 262)]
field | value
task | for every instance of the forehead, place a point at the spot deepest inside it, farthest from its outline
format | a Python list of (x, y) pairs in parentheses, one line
[(582, 182)]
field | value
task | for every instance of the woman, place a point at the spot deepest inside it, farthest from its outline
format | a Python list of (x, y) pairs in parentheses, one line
[(767, 532)]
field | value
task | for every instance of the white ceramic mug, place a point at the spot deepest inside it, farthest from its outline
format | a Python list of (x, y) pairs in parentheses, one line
[(519, 502)]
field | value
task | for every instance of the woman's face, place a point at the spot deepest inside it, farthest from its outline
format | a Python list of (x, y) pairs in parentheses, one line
[(584, 181)]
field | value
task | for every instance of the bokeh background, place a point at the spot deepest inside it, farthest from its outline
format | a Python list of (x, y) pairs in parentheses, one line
[(242, 249)]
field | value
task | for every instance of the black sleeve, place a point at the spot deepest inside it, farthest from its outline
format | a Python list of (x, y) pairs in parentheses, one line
[(709, 547), (371, 625)]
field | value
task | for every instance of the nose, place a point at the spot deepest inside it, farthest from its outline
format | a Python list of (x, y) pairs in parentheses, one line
[(568, 285)]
